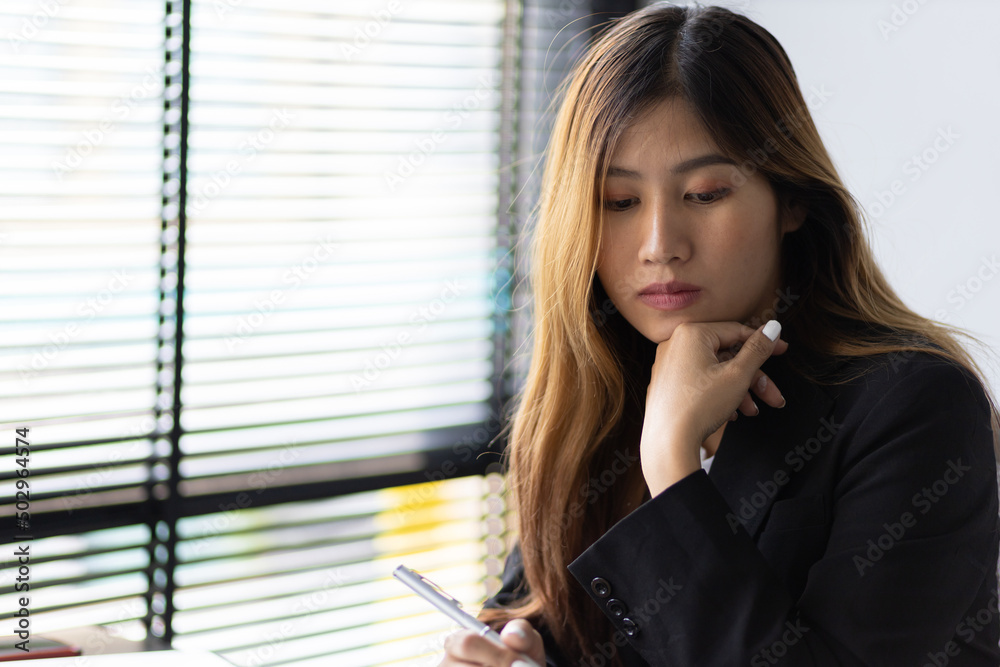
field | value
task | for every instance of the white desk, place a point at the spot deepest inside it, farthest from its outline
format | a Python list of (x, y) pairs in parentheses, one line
[(142, 659)]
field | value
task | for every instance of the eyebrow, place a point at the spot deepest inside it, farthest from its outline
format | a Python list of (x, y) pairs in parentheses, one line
[(682, 168)]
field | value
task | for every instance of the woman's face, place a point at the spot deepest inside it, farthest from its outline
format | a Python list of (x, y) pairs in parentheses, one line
[(675, 209)]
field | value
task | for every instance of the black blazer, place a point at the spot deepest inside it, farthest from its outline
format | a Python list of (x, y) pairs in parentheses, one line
[(858, 525)]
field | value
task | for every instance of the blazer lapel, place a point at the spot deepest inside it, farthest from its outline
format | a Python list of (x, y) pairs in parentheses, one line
[(753, 449)]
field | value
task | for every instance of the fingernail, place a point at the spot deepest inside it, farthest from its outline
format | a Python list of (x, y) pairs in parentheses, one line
[(772, 329), (783, 402), (762, 383), (519, 663), (756, 410), (513, 630)]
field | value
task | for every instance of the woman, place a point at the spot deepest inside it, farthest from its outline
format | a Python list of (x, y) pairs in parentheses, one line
[(846, 509)]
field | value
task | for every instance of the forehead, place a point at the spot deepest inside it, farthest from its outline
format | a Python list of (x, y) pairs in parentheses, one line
[(669, 129)]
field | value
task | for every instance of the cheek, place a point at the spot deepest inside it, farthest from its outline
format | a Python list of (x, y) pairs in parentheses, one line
[(609, 252), (750, 233), (612, 268), (606, 271), (746, 251)]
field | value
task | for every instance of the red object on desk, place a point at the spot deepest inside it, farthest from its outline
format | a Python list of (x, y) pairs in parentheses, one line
[(38, 647)]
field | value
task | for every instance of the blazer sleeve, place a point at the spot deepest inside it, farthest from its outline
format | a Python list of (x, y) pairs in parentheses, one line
[(912, 540)]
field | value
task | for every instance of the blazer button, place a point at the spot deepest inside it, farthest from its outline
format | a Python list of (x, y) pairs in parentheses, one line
[(616, 607), (630, 627), (601, 587)]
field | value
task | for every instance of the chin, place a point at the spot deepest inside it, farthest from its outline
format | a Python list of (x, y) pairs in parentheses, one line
[(658, 332)]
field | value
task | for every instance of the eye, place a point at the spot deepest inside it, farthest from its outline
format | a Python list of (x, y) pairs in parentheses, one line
[(708, 197), (618, 205)]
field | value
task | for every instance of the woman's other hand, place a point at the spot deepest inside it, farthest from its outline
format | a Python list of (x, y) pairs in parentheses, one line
[(467, 649), (696, 386)]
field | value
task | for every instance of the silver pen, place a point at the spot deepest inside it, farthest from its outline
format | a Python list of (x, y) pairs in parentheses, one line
[(451, 607)]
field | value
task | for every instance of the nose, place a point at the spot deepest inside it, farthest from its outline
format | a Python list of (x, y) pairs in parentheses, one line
[(665, 235)]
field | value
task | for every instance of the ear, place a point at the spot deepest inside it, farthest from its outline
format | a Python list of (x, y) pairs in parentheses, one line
[(793, 214)]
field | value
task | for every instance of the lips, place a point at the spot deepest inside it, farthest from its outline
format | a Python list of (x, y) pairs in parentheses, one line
[(671, 301), (672, 287), (673, 295)]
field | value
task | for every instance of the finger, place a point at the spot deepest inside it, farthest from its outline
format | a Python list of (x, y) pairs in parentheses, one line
[(467, 647), (780, 347), (520, 636), (748, 407), (756, 350), (766, 389), (454, 662), (732, 336), (523, 638)]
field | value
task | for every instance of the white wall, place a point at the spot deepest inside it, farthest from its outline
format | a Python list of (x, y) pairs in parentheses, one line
[(899, 75)]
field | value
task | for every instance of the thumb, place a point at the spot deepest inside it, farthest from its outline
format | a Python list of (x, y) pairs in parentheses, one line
[(520, 636), (759, 347)]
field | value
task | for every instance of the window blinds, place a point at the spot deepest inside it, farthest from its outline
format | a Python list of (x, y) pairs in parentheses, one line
[(81, 106), (81, 91), (340, 306), (342, 234), (307, 583)]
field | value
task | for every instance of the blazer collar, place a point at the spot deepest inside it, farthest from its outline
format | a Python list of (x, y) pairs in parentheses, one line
[(753, 449)]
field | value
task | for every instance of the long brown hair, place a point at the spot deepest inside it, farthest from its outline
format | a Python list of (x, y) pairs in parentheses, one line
[(582, 405)]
